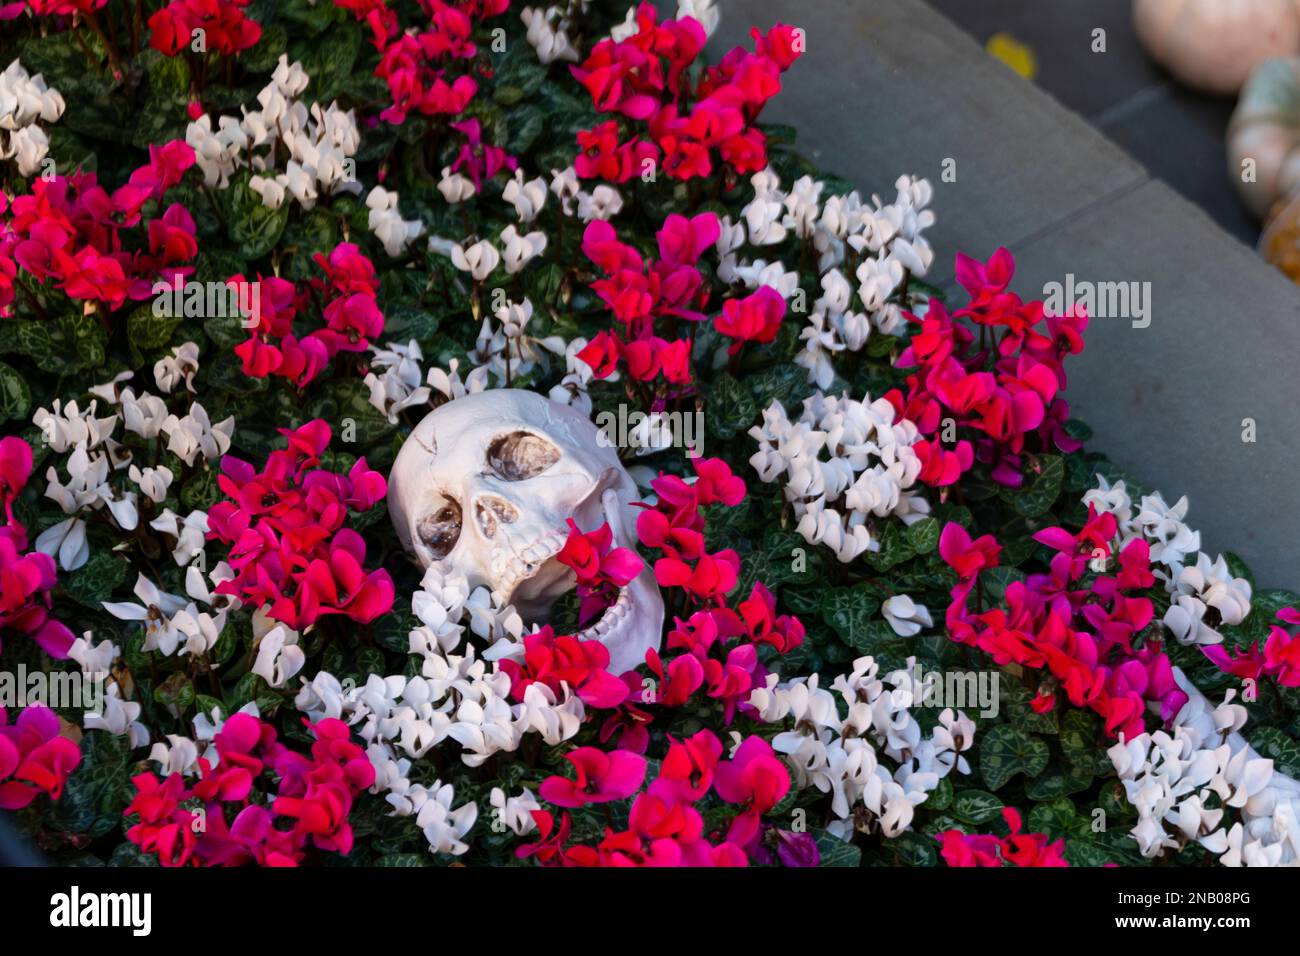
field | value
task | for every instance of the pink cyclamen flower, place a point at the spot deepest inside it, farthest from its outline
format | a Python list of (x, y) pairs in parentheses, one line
[(34, 758), (756, 780), (682, 241), (965, 556), (690, 763), (557, 661), (594, 561), (600, 777), (15, 468), (712, 577), (755, 318)]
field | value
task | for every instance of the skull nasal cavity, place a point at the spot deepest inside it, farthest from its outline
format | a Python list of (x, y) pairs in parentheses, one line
[(519, 455), (490, 510)]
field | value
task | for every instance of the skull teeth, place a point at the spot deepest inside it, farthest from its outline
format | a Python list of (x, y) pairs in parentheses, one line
[(611, 619), (511, 570)]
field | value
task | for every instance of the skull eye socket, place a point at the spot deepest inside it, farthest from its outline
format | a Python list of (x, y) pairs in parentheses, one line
[(440, 530), (520, 455)]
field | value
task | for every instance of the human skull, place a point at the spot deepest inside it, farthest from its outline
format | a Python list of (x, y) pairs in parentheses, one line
[(483, 487)]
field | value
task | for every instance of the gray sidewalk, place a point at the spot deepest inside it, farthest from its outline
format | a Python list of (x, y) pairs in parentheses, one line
[(891, 86)]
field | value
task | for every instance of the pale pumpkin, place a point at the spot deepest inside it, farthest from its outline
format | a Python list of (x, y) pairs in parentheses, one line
[(1264, 136), (1212, 45)]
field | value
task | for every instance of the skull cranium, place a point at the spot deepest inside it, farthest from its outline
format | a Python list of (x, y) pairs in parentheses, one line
[(483, 487)]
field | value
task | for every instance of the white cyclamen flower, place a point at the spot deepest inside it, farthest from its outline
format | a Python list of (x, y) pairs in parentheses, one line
[(905, 616), (181, 366), (454, 187), (278, 656), (528, 198), (478, 259)]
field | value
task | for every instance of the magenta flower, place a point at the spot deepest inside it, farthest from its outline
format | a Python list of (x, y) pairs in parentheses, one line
[(755, 318), (26, 577), (599, 778), (756, 780), (223, 22), (965, 556), (285, 526), (710, 579), (480, 160), (682, 241), (34, 758), (15, 469)]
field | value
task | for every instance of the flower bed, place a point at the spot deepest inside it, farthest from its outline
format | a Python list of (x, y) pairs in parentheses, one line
[(910, 619)]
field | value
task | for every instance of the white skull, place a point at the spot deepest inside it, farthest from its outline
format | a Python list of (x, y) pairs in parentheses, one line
[(483, 487)]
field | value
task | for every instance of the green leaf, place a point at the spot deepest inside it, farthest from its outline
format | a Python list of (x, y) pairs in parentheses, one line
[(95, 795), (894, 548), (15, 395), (1082, 744), (246, 689), (1006, 751), (995, 581), (205, 703), (835, 852), (784, 383), (328, 60), (878, 346), (518, 75), (405, 322), (402, 859), (128, 854), (262, 58), (731, 409), (228, 642), (1285, 752), (1015, 699), (95, 580), (1037, 496), (253, 227), (69, 343), (313, 15), (1052, 785), (1089, 853), (201, 491), (1078, 430), (218, 266), (924, 535), (1114, 802), (1265, 603), (347, 406), (370, 660), (526, 124), (169, 76), (1056, 818), (976, 806), (226, 373), (913, 849), (781, 550), (940, 797), (849, 611), (146, 330)]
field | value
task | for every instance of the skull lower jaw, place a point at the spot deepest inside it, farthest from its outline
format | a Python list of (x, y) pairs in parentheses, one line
[(628, 626)]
